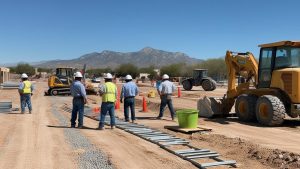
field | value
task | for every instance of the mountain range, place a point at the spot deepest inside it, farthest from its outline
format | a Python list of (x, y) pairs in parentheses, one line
[(143, 58)]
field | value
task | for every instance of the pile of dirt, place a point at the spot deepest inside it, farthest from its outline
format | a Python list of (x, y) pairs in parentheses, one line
[(274, 158)]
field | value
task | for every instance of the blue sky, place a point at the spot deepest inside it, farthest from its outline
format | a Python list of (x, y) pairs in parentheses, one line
[(65, 29)]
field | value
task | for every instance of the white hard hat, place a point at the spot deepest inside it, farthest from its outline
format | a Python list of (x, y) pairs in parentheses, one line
[(78, 74), (24, 75), (108, 76), (128, 77), (165, 76)]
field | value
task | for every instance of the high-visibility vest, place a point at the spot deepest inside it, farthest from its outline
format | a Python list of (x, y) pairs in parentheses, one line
[(109, 93), (27, 87)]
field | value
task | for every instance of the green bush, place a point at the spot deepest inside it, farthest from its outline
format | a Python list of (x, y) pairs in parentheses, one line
[(24, 68), (126, 69)]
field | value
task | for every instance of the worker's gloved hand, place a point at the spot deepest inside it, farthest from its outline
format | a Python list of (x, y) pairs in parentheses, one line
[(121, 100)]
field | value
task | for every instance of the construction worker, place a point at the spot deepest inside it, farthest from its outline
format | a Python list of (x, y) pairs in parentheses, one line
[(129, 91), (79, 100), (108, 91), (25, 91), (166, 90)]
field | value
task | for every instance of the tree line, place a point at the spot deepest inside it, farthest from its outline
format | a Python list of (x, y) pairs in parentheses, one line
[(216, 69)]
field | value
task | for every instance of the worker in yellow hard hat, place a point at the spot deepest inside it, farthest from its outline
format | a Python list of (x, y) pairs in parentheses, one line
[(25, 91)]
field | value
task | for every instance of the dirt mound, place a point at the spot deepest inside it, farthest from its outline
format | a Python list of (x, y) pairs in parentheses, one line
[(274, 158)]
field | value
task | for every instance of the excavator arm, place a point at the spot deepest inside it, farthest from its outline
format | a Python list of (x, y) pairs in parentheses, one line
[(238, 65)]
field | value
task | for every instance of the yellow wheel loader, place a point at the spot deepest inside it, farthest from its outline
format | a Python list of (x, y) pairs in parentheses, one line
[(267, 92)]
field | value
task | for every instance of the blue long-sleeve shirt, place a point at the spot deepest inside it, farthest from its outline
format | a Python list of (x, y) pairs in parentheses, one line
[(167, 87), (77, 89), (129, 89)]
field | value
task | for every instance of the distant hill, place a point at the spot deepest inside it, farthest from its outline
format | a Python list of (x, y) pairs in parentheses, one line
[(143, 58)]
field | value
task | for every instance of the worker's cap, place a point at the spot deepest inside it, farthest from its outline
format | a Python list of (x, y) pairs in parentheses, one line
[(108, 76), (24, 75), (128, 77), (78, 74), (165, 76)]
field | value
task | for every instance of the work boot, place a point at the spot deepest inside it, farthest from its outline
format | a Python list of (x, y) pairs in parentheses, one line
[(100, 128), (133, 121), (126, 120), (80, 126), (30, 112), (112, 127), (158, 118), (22, 112), (72, 126)]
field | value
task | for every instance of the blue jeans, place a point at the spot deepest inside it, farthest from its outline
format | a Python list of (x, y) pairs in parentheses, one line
[(78, 106), (129, 102), (165, 101), (110, 108), (26, 99)]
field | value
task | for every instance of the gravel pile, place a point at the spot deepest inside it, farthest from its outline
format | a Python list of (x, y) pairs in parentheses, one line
[(89, 157)]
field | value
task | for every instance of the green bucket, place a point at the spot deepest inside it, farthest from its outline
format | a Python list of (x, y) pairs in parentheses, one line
[(187, 118)]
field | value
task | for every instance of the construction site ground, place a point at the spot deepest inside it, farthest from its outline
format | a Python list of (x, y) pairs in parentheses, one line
[(44, 139)]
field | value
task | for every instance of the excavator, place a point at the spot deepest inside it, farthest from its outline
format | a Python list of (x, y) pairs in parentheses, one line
[(267, 91), (60, 82)]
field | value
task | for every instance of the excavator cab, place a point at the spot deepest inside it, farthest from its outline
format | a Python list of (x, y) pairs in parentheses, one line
[(65, 75), (274, 91)]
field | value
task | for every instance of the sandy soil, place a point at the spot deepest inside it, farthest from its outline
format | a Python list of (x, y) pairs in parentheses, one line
[(269, 137), (27, 142)]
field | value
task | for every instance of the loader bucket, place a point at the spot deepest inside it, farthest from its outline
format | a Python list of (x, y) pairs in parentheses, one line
[(211, 106)]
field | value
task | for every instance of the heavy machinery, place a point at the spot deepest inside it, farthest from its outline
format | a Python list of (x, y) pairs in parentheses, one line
[(199, 78), (59, 84), (270, 90)]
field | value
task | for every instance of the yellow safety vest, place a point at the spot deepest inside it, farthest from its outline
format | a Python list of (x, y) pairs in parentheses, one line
[(27, 87), (109, 93)]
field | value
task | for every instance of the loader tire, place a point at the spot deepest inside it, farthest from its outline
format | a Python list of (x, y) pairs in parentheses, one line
[(270, 110), (187, 85), (245, 107), (207, 85), (54, 92)]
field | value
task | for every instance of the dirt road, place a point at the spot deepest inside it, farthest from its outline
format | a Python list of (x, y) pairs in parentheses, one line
[(27, 142), (44, 140)]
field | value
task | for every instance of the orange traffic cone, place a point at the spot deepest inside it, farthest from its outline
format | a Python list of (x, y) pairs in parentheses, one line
[(96, 110), (117, 105), (145, 109), (179, 92)]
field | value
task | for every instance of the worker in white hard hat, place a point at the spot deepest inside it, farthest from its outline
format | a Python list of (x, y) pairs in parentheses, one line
[(129, 91), (166, 90), (108, 91), (79, 100), (25, 91)]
